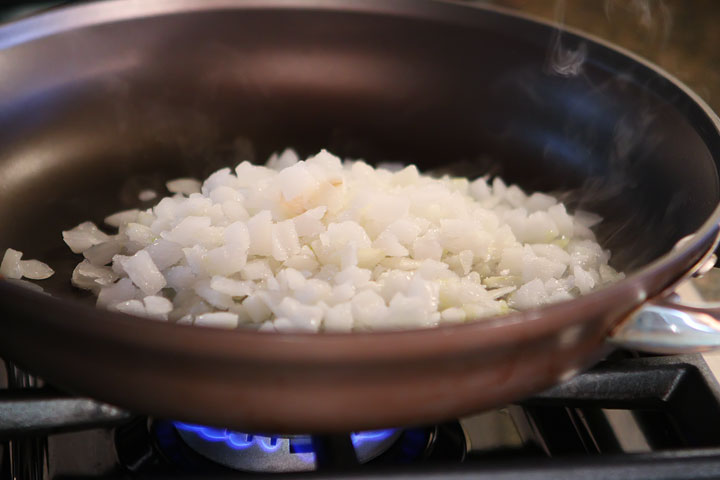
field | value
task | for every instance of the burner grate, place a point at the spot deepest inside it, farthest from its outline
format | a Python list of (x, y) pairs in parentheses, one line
[(632, 418), (667, 402)]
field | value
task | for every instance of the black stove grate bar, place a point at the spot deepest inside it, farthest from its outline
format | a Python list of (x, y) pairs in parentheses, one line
[(36, 412), (632, 383), (334, 452), (561, 431), (664, 393)]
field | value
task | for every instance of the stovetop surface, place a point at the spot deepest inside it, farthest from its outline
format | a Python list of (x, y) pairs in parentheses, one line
[(629, 417)]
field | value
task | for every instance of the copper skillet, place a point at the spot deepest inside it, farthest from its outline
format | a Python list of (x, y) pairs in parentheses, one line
[(101, 100)]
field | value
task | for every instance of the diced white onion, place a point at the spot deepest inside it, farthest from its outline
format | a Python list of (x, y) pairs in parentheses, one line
[(13, 267), (183, 185), (83, 237), (324, 245), (10, 266)]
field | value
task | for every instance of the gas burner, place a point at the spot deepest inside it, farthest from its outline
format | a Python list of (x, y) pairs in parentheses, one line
[(159, 446), (263, 453)]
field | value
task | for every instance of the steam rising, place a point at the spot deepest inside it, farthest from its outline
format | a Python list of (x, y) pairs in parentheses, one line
[(649, 22), (564, 61)]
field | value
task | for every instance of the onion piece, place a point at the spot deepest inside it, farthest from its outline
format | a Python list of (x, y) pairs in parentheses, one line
[(10, 266), (35, 270)]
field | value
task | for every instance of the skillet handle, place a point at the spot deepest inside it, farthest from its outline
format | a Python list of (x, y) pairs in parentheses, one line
[(667, 325)]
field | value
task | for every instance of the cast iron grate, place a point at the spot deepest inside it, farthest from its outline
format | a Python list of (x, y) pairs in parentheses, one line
[(673, 403)]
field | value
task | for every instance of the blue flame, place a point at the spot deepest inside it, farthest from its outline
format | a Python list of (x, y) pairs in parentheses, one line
[(373, 436), (244, 441)]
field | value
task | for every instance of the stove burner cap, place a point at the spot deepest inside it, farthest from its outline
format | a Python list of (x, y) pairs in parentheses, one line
[(262, 453)]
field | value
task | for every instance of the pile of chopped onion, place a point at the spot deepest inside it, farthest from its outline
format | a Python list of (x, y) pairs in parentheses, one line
[(325, 245)]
